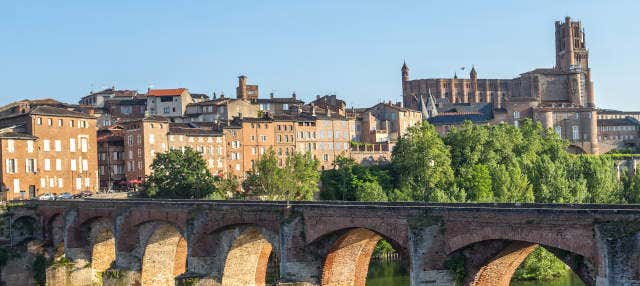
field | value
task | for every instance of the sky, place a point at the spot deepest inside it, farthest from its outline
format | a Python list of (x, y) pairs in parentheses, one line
[(65, 49)]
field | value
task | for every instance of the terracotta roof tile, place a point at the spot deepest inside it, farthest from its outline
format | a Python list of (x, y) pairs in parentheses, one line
[(166, 92)]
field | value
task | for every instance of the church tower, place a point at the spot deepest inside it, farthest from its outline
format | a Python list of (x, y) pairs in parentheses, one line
[(406, 95), (572, 56), (571, 49)]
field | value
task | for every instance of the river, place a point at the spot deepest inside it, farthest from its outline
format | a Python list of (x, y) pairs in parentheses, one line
[(393, 273)]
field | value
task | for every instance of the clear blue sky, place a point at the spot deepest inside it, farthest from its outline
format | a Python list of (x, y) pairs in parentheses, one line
[(60, 49)]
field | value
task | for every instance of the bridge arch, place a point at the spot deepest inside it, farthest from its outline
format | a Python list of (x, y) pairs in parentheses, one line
[(164, 254), (24, 228), (235, 254), (494, 262), (248, 257), (348, 253)]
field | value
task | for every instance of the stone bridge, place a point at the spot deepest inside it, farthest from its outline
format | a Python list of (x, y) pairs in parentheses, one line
[(167, 242)]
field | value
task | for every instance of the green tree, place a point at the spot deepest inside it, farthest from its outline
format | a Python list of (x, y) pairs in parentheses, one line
[(476, 181), (181, 175), (631, 188), (422, 166), (297, 180)]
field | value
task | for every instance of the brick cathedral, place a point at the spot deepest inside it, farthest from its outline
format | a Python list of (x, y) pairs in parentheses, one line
[(562, 97)]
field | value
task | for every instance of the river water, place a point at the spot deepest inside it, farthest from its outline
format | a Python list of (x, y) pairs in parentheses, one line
[(393, 273)]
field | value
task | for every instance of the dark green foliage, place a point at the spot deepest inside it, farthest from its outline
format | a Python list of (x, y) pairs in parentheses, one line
[(455, 265), (631, 188), (39, 268), (182, 175), (297, 180), (350, 181)]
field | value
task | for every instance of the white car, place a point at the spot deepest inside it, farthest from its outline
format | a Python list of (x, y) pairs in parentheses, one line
[(64, 196), (47, 197)]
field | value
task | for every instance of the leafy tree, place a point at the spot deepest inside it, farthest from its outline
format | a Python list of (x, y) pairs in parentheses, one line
[(353, 182), (297, 180), (422, 166), (631, 188), (369, 191), (476, 181), (181, 175)]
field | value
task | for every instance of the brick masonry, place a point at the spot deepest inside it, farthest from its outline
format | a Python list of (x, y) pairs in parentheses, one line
[(230, 243)]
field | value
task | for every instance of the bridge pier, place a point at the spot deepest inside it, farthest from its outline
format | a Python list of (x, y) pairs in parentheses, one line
[(426, 246)]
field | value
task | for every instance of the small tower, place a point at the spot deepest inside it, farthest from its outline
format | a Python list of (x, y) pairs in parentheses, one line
[(241, 91), (408, 99), (405, 72), (473, 74)]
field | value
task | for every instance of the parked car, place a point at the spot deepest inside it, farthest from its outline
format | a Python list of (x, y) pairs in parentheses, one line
[(47, 197), (83, 194), (65, 196)]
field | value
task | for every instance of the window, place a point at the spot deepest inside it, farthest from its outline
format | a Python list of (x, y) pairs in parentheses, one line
[(71, 123), (39, 121), (73, 165), (16, 185), (11, 146), (263, 138), (47, 164), (43, 183), (253, 150), (30, 146), (60, 123), (52, 182), (58, 165), (85, 165), (49, 121), (60, 184), (326, 157), (31, 166), (11, 166), (78, 184), (57, 145), (152, 139), (83, 144), (576, 132), (559, 131), (87, 182), (167, 110), (46, 145), (72, 145), (516, 115)]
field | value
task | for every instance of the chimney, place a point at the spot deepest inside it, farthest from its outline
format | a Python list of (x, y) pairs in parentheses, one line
[(317, 96), (214, 95), (313, 109), (271, 95), (242, 87), (293, 95)]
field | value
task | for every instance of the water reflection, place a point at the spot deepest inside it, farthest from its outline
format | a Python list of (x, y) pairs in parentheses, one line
[(393, 272)]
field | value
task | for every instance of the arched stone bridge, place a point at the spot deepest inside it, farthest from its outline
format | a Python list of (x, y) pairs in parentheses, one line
[(162, 242)]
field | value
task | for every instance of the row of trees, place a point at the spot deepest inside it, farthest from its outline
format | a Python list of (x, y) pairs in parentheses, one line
[(481, 163)]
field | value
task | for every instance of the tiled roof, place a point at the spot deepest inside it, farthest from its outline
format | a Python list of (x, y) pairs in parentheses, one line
[(199, 95), (458, 118), (618, 121), (166, 92), (17, 135), (55, 111), (461, 112), (279, 100)]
